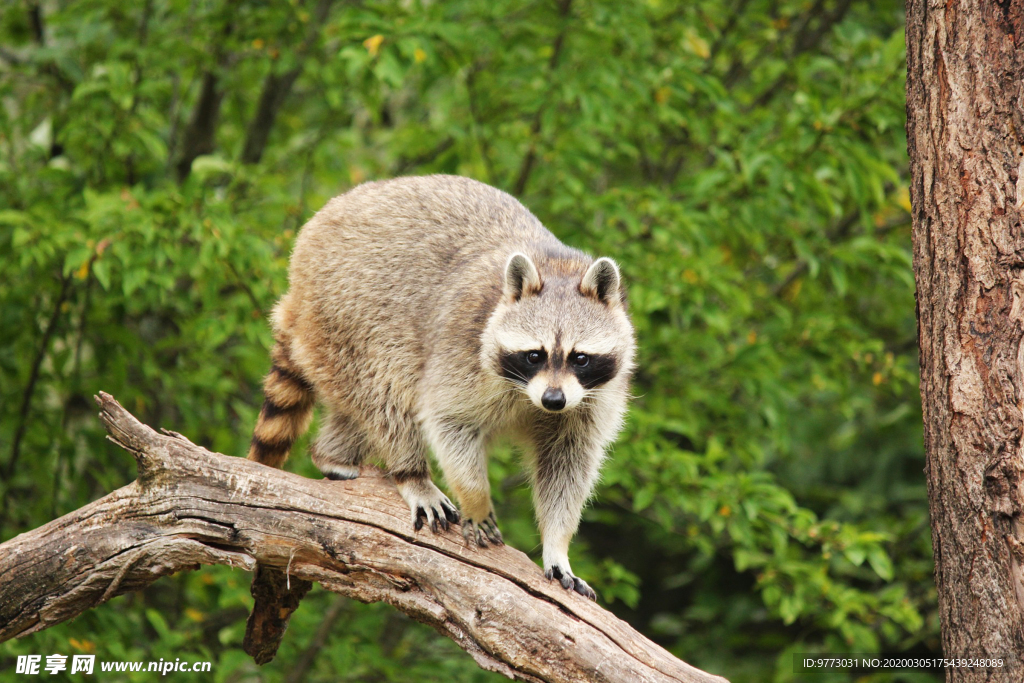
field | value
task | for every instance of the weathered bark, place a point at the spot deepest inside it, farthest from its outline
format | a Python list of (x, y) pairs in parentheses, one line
[(965, 108), (190, 507), (275, 596)]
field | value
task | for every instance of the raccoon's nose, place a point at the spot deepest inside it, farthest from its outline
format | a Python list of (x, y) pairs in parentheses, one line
[(553, 399)]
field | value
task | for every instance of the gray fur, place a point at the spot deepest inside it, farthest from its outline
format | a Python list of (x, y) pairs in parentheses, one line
[(404, 297)]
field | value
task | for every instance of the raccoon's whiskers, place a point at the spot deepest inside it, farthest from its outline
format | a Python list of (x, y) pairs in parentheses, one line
[(525, 379), (499, 393)]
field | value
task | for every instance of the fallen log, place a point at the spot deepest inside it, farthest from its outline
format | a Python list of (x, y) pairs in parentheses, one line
[(191, 507)]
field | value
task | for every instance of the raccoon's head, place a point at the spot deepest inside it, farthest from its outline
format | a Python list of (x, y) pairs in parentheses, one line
[(562, 335)]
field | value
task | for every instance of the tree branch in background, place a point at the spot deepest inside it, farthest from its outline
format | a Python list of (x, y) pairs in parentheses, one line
[(202, 127), (199, 135), (190, 507), (404, 164), (839, 232), (277, 87), (564, 8), (734, 15), (33, 377), (474, 114), (35, 14), (47, 64), (805, 41), (297, 673)]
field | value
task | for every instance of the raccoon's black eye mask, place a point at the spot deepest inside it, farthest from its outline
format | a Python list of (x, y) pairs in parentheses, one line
[(599, 369), (591, 370), (522, 366)]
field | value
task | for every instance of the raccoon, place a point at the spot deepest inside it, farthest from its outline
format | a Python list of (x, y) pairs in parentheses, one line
[(437, 313)]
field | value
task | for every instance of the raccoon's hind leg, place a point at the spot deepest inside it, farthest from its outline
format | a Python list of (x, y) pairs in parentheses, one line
[(460, 452), (339, 448), (401, 443)]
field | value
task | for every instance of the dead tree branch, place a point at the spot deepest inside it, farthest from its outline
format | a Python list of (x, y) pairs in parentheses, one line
[(190, 507)]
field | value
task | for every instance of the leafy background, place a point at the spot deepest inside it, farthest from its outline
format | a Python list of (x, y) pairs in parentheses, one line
[(743, 160)]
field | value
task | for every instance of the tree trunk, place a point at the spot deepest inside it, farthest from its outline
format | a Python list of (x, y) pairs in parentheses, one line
[(190, 507), (965, 129)]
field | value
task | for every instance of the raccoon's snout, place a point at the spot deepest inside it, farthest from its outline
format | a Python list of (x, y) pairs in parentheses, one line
[(553, 399)]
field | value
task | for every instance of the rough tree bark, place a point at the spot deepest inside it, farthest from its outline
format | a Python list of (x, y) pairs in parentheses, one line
[(190, 507), (965, 129)]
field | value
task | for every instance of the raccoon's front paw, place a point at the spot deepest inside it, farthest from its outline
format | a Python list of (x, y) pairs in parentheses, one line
[(569, 581), (428, 505), (483, 531)]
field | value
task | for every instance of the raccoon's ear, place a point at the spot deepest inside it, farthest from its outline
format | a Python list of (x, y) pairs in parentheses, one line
[(602, 281), (521, 277)]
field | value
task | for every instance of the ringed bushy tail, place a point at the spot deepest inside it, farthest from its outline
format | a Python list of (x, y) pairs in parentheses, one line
[(286, 412)]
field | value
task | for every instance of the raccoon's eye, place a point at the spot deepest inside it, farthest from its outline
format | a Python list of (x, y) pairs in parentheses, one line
[(580, 360), (534, 357)]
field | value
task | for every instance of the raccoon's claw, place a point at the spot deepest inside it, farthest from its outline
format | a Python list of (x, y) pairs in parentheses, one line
[(570, 582), (451, 512), (428, 515), (423, 515), (429, 506), (435, 517), (481, 532)]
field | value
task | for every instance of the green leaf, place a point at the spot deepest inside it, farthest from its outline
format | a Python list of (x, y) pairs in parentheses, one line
[(856, 554), (12, 217), (881, 563), (643, 499), (101, 269)]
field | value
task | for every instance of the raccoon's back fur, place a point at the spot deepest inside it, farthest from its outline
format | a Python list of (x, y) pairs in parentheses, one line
[(434, 313)]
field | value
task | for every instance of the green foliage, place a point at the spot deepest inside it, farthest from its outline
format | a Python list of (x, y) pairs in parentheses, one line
[(745, 164)]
